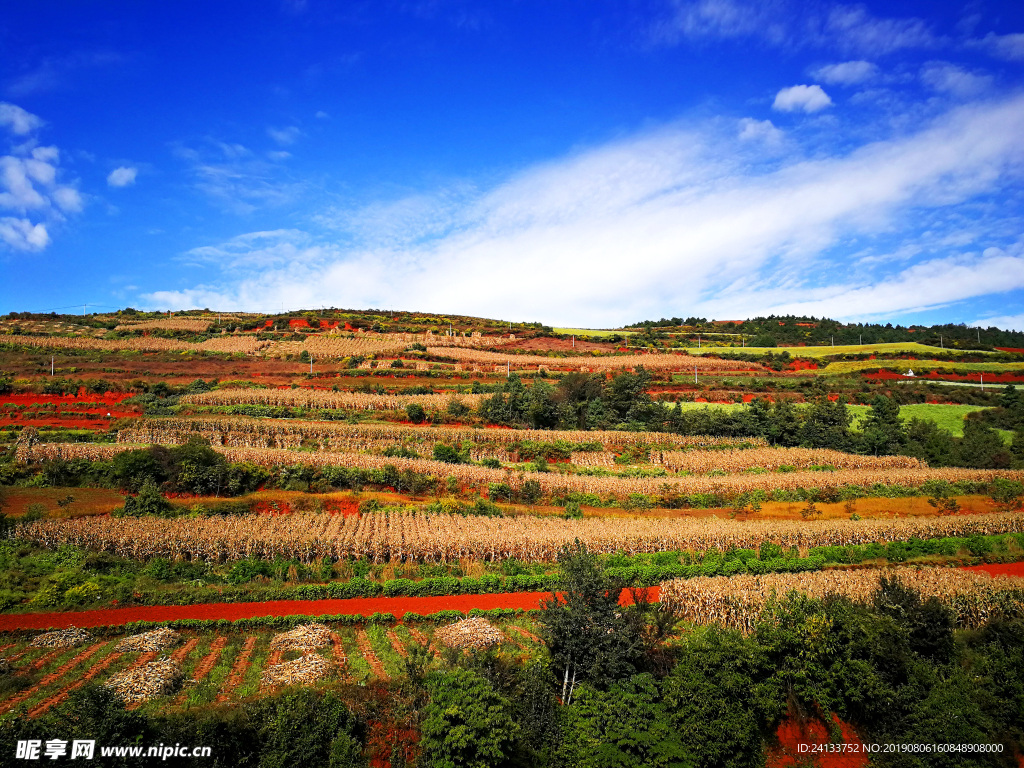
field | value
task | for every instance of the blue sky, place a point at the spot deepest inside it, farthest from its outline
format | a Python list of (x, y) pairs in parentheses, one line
[(587, 163)]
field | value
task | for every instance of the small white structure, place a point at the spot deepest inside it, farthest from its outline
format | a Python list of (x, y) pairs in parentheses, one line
[(910, 372)]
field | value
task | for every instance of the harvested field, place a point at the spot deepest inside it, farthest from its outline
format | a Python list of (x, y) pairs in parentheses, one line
[(238, 669), (469, 633), (65, 638), (305, 670), (145, 681), (54, 676), (774, 458), (149, 642), (317, 398), (305, 637), (739, 602), (401, 536)]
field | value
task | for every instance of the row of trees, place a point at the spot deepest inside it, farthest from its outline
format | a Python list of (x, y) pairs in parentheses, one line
[(590, 401)]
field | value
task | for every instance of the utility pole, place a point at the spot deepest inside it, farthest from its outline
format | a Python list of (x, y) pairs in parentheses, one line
[(833, 341), (574, 341), (982, 381), (694, 373), (860, 339), (698, 341), (51, 365), (508, 369), (979, 337), (940, 342)]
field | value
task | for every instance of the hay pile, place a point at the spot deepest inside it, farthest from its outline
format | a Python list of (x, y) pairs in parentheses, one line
[(149, 642), (146, 682), (64, 638), (304, 670), (305, 637), (469, 633)]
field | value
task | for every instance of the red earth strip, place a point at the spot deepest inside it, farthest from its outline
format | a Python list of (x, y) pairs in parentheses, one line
[(360, 606), (999, 569)]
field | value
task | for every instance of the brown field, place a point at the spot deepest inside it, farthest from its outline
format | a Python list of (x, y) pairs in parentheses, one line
[(88, 501)]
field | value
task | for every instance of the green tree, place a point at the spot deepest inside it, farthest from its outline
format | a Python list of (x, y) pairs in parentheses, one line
[(625, 727), (590, 637), (415, 413), (716, 699), (467, 723), (982, 447), (827, 424), (882, 431)]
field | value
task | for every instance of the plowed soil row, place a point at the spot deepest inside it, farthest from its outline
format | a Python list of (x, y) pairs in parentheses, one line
[(238, 669), (371, 658), (360, 606), (55, 675), (58, 697)]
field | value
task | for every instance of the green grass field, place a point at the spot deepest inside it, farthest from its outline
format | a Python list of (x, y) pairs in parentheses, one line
[(852, 349), (851, 366)]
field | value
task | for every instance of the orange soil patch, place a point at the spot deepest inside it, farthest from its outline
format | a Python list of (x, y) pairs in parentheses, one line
[(546, 344), (207, 663), (43, 660), (797, 742), (999, 569), (912, 506), (55, 675), (238, 669), (371, 658), (397, 644), (274, 658), (88, 501), (60, 696)]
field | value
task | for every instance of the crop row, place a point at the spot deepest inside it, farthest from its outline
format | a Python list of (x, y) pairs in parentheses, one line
[(739, 602), (774, 458), (261, 433), (317, 398), (195, 325), (655, 362), (473, 476), (416, 536)]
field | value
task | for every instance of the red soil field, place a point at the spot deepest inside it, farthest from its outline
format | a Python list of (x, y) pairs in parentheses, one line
[(1018, 350), (802, 365), (792, 734), (999, 569), (361, 606)]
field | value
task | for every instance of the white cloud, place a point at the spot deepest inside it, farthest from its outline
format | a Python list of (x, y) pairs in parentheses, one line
[(278, 156), (759, 130), (673, 221), (846, 73), (23, 235), (321, 115), (17, 119), (122, 177), (1005, 322), (949, 78), (804, 98), (284, 135), (29, 185)]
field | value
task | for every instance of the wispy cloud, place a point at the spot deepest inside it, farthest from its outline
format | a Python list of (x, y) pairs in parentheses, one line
[(32, 196), (237, 179), (1009, 47), (793, 24), (955, 80), (52, 73), (678, 220), (846, 73), (284, 135)]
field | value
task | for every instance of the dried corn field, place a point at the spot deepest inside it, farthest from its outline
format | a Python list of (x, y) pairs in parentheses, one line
[(292, 433), (739, 602), (479, 478), (192, 324), (317, 398), (409, 536), (653, 362), (774, 458)]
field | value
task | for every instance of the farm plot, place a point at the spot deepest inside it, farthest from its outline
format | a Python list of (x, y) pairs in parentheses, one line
[(738, 602), (654, 362), (408, 536), (774, 458), (315, 398), (481, 478)]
